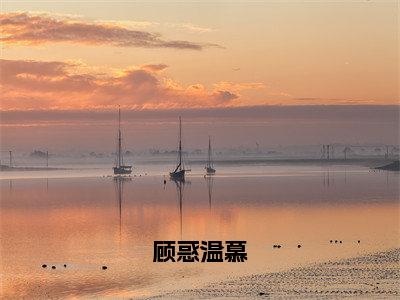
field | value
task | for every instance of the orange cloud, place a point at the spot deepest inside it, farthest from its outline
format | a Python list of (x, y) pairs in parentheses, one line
[(154, 67), (237, 87), (59, 85), (27, 29)]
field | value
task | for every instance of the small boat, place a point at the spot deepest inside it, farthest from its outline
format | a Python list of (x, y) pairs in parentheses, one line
[(179, 172), (210, 165), (120, 168)]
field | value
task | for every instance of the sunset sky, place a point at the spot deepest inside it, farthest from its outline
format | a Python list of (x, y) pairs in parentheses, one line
[(157, 55)]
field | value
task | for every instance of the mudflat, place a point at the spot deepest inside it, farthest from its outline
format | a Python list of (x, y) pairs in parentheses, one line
[(370, 276)]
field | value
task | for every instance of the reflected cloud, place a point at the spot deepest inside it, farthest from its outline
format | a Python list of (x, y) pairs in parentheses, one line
[(75, 223)]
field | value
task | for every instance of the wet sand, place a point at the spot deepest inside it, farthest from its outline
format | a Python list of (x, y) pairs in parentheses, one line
[(371, 276)]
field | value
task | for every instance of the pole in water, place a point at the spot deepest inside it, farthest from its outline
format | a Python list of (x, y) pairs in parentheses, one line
[(10, 152), (328, 149), (119, 138), (180, 144), (47, 159), (209, 152)]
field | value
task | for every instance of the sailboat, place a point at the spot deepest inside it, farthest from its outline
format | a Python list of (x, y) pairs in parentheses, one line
[(120, 168), (210, 165), (179, 171)]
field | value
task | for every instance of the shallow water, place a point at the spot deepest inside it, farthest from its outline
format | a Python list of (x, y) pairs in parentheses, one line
[(84, 220)]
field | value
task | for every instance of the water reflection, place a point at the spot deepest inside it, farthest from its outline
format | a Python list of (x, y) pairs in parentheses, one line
[(327, 178), (180, 187), (90, 222), (210, 184), (387, 178), (119, 182)]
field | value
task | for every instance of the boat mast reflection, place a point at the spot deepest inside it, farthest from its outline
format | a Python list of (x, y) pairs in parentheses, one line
[(119, 189), (327, 176), (210, 184), (180, 187)]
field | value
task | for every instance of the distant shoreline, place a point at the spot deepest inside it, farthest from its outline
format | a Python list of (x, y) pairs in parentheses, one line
[(277, 161), (374, 163), (4, 168), (374, 275), (393, 166)]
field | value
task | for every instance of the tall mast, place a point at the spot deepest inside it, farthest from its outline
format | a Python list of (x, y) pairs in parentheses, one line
[(180, 143), (209, 151), (119, 137)]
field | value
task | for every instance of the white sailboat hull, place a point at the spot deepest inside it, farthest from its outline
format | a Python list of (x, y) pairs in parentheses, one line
[(122, 170)]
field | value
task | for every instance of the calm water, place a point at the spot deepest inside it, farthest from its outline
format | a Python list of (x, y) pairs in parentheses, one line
[(87, 222)]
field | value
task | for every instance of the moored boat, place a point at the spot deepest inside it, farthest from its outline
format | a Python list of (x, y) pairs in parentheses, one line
[(210, 165), (120, 168), (179, 172)]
